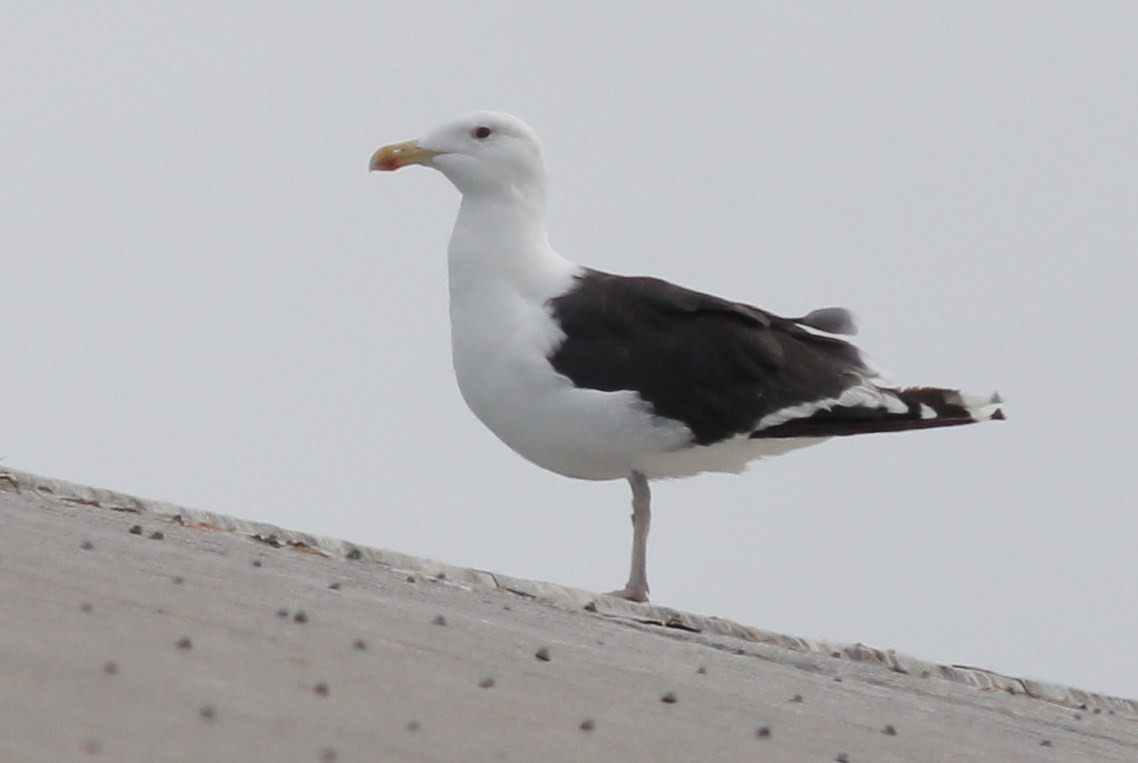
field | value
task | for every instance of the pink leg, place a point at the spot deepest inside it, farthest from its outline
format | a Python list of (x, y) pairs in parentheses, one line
[(636, 589)]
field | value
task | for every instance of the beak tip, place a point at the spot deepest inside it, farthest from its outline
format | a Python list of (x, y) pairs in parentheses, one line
[(382, 161), (399, 155)]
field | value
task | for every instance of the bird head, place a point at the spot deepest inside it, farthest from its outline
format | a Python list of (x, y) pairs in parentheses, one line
[(484, 152)]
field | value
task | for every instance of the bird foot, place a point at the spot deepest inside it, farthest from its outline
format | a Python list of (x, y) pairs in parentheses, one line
[(632, 593)]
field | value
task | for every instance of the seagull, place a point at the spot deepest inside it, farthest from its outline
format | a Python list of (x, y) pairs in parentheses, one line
[(605, 377)]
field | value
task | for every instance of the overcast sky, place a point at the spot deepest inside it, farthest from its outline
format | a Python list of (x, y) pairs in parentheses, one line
[(207, 299)]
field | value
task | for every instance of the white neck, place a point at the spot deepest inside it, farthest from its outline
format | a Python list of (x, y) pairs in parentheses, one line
[(503, 272), (500, 243)]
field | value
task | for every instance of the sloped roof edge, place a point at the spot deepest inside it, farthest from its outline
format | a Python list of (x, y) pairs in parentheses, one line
[(651, 615)]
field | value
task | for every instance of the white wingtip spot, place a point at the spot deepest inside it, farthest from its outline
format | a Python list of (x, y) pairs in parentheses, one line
[(983, 407)]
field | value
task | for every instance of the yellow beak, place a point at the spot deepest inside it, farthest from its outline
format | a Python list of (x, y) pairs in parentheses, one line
[(401, 154)]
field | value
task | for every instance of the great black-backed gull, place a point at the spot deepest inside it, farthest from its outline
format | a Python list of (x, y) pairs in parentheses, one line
[(602, 377)]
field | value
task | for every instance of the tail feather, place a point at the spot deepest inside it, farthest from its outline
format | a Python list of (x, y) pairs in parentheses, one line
[(900, 410), (954, 404)]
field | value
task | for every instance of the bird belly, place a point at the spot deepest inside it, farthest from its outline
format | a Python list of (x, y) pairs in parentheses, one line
[(582, 433), (730, 456), (500, 359)]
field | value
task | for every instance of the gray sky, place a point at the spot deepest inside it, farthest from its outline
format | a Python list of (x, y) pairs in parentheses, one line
[(208, 300)]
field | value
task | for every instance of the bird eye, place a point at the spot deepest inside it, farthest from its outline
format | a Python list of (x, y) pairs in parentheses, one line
[(481, 132)]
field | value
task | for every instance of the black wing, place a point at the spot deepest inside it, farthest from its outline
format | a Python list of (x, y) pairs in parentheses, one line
[(717, 366)]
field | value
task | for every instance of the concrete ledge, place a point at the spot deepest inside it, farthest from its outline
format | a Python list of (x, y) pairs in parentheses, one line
[(78, 565)]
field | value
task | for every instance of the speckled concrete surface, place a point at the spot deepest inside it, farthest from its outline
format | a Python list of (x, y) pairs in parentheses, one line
[(136, 631)]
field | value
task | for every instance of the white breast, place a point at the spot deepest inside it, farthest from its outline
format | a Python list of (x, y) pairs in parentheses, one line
[(502, 333)]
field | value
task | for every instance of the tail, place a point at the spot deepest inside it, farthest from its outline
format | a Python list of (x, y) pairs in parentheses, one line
[(889, 410), (951, 406)]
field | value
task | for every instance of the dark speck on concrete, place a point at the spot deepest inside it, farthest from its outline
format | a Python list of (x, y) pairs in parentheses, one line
[(1045, 743), (841, 757), (889, 730), (282, 613), (413, 726), (256, 562), (838, 679), (439, 620), (587, 725), (92, 747), (321, 689), (300, 617), (701, 670), (178, 580), (207, 712), (185, 643), (411, 578), (157, 535), (355, 554), (591, 606), (86, 607), (327, 755), (763, 732), (360, 644), (86, 545), (669, 698), (486, 683), (136, 529), (111, 668), (334, 586), (796, 698), (543, 654)]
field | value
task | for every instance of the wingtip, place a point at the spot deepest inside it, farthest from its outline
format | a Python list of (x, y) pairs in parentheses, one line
[(982, 407)]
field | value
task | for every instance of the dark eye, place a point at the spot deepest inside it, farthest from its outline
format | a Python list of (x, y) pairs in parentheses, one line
[(481, 132)]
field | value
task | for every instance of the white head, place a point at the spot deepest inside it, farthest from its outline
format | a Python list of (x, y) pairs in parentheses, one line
[(482, 153)]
